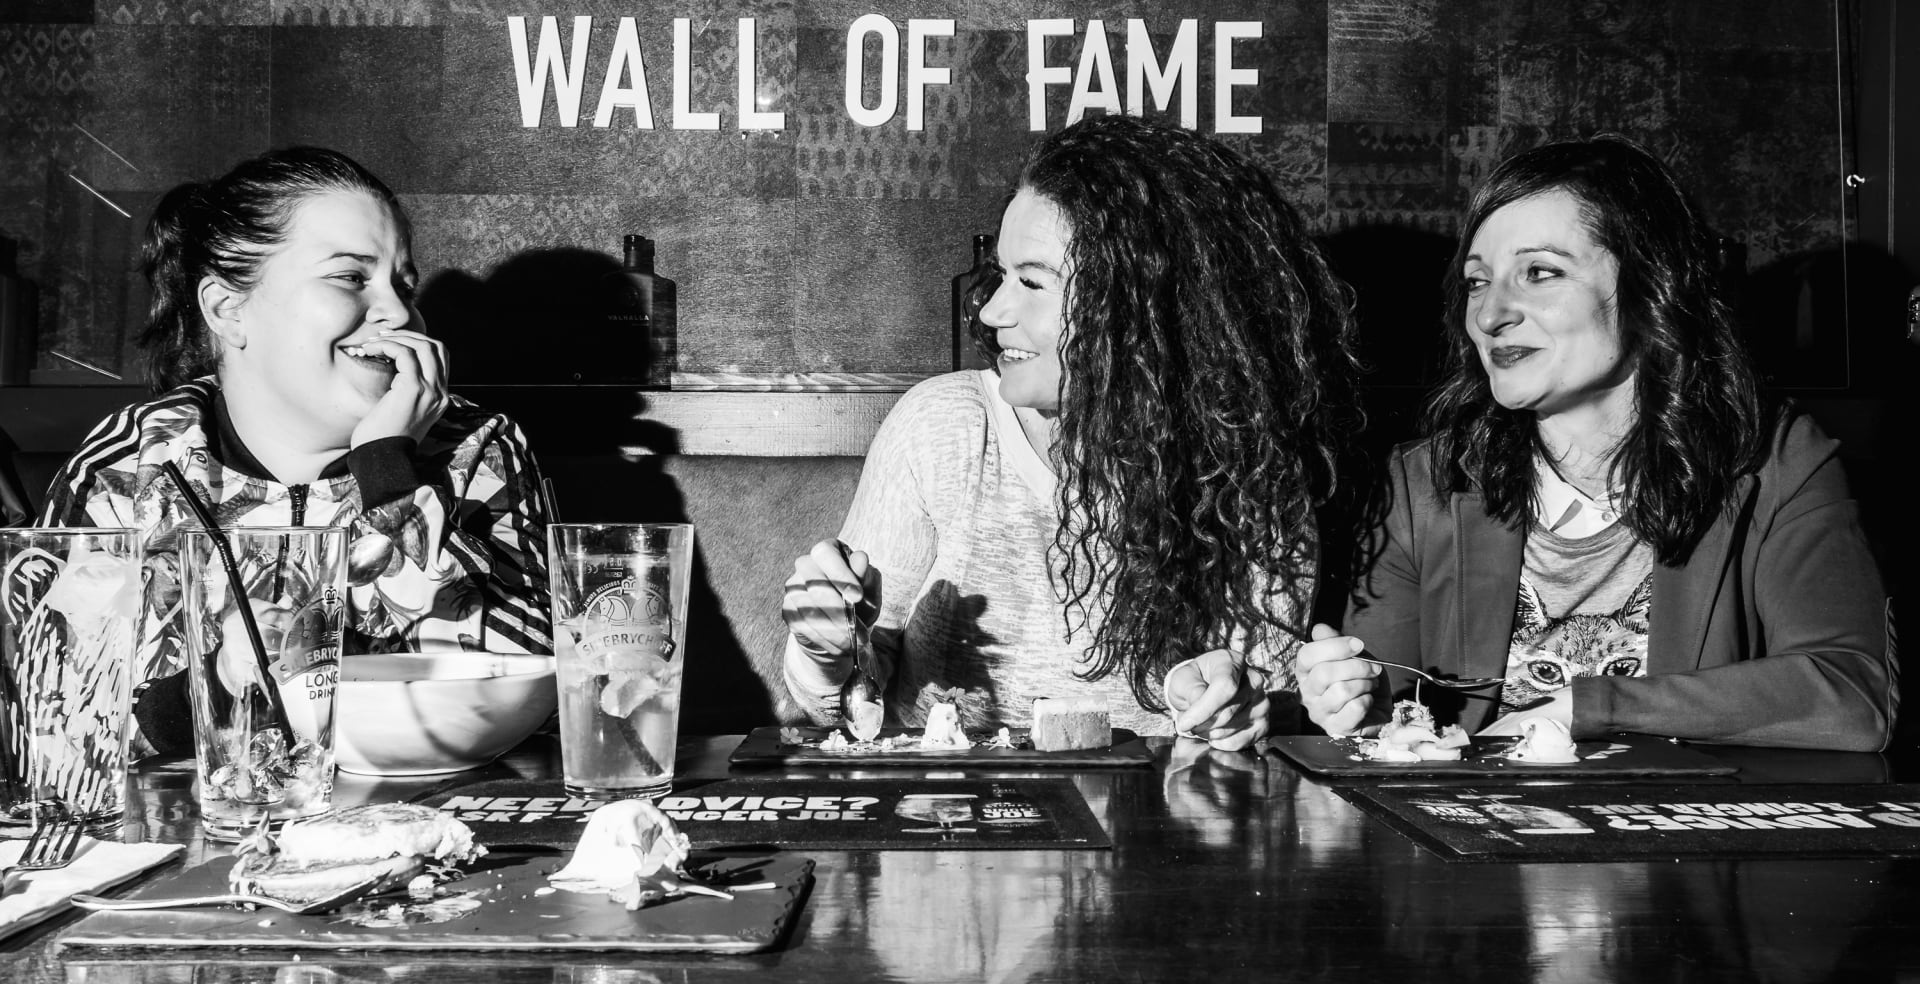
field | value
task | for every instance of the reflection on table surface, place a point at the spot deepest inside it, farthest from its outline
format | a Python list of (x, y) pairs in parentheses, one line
[(1223, 866)]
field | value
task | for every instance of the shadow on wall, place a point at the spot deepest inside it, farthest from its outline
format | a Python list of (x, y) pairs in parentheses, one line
[(1396, 275), (1399, 309), (956, 617), (537, 319), (1828, 320), (1829, 328)]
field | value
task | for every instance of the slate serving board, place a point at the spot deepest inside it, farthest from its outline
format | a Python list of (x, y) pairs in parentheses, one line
[(764, 747), (514, 915), (1621, 755)]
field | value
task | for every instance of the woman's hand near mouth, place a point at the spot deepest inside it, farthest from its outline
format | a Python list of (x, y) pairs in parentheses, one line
[(418, 393)]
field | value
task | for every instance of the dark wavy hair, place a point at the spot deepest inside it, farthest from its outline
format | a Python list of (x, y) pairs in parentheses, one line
[(1209, 357), (1699, 421), (225, 228)]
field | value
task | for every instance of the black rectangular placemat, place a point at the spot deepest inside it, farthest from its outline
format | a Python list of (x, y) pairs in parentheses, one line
[(1580, 822), (834, 814)]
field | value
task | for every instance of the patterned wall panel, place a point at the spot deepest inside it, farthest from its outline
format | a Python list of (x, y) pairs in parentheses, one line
[(826, 246)]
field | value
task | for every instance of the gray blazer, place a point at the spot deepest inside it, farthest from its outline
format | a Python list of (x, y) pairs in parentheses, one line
[(1776, 631)]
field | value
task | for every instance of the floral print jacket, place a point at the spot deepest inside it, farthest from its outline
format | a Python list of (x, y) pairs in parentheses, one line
[(456, 563)]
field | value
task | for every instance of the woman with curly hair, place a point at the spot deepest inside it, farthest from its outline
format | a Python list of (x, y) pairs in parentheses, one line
[(1125, 505), (1605, 513)]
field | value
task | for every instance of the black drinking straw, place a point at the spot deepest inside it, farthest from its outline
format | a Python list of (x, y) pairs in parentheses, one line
[(240, 600)]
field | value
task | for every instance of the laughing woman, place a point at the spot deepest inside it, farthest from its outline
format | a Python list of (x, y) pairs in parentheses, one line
[(296, 389), (1606, 514), (1125, 504)]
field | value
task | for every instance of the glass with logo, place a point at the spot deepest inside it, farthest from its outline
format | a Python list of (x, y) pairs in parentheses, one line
[(262, 680), (619, 638)]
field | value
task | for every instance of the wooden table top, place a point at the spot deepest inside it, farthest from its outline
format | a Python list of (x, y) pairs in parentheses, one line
[(1223, 867)]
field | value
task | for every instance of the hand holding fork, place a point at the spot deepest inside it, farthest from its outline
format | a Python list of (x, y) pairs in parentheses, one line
[(1337, 683)]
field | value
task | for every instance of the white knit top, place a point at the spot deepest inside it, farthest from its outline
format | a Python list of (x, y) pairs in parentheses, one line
[(956, 510)]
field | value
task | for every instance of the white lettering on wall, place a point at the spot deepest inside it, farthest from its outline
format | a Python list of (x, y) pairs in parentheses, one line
[(1182, 66), (1039, 73), (919, 75), (889, 36), (626, 62), (1093, 80), (1095, 59), (684, 117), (874, 57), (752, 117), (532, 75), (1226, 77)]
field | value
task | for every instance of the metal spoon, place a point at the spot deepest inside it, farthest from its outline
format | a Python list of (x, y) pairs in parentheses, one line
[(860, 700), (675, 886), (1457, 683)]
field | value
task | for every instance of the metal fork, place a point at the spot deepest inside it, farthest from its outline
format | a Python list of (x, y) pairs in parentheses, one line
[(53, 845), (338, 899), (1458, 683)]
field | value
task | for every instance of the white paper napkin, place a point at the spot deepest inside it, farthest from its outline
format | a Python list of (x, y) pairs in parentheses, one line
[(35, 895)]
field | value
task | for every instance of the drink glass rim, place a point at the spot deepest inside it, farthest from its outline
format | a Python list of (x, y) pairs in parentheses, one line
[(195, 529), (68, 530), (619, 526)]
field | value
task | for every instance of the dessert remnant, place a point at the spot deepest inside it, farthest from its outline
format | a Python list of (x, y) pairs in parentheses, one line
[(943, 728), (887, 744), (381, 845), (632, 853), (1412, 736), (1066, 724), (1544, 741)]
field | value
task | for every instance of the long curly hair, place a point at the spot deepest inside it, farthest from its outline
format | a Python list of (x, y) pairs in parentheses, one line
[(1699, 421), (1209, 357), (226, 227)]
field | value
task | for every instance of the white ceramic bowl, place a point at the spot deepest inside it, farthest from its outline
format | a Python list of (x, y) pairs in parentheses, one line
[(418, 714)]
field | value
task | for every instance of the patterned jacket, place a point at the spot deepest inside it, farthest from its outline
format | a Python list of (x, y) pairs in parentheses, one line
[(457, 563)]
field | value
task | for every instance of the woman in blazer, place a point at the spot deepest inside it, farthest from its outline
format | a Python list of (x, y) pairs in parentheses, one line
[(1605, 512)]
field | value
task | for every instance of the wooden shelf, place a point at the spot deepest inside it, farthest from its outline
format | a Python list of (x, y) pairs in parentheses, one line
[(559, 419)]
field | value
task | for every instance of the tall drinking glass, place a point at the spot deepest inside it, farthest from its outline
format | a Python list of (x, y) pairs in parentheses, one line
[(263, 715), (619, 634), (69, 625)]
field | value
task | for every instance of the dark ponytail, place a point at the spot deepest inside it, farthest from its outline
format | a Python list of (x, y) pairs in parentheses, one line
[(226, 228), (176, 340)]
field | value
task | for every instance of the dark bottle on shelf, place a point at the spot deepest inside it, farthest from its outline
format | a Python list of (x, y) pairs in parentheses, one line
[(643, 316), (17, 328), (969, 296)]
